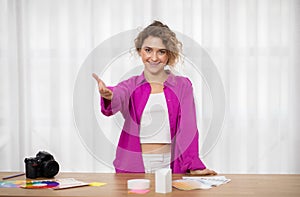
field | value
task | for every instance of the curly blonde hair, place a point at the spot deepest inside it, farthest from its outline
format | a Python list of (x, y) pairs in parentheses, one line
[(168, 37)]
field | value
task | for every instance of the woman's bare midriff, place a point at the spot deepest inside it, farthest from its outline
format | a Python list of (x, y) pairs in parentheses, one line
[(155, 148)]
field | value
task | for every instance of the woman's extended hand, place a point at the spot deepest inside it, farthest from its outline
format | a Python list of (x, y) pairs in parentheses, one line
[(103, 90), (203, 172)]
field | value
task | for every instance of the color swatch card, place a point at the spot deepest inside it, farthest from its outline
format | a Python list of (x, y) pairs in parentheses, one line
[(39, 184), (11, 184), (183, 184), (55, 184), (191, 183), (69, 183), (213, 181), (26, 184)]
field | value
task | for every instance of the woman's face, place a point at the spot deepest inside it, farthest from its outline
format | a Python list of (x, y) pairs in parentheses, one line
[(154, 55)]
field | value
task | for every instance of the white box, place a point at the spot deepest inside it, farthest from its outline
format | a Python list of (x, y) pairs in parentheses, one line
[(138, 184), (163, 180)]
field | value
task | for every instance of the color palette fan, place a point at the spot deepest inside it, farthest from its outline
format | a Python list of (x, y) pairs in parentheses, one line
[(39, 184)]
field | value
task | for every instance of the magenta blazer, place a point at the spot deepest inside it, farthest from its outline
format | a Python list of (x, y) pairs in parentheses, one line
[(130, 97)]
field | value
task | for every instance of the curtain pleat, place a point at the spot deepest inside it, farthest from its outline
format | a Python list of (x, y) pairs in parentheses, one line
[(253, 45)]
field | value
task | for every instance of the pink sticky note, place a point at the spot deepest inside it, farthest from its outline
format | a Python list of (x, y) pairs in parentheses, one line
[(133, 191)]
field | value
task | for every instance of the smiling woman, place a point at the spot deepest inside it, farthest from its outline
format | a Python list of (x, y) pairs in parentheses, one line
[(156, 93)]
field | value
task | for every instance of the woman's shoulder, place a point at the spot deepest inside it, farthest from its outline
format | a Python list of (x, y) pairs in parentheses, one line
[(131, 81), (182, 80)]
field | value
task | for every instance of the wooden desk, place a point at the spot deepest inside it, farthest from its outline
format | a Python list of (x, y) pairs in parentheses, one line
[(240, 185)]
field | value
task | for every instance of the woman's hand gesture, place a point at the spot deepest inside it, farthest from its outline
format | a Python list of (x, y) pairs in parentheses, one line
[(103, 90), (203, 172)]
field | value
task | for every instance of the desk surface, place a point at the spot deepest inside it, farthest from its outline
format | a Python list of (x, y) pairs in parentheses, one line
[(240, 185)]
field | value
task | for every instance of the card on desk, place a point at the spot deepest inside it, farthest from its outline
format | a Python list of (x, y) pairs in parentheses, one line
[(191, 183), (69, 183), (56, 184)]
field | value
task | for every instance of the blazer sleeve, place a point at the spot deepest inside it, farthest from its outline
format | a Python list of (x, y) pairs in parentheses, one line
[(187, 137), (119, 102)]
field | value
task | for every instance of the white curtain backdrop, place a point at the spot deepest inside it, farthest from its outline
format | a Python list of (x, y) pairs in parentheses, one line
[(253, 44)]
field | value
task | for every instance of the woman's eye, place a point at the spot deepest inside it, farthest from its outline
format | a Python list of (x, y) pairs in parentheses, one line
[(162, 52), (147, 50)]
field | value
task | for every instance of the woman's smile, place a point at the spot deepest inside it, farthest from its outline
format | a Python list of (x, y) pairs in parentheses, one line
[(154, 56)]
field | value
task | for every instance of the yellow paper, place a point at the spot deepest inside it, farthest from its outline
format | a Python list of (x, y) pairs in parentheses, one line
[(97, 184)]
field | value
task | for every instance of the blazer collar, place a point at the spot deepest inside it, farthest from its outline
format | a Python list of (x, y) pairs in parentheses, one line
[(171, 80)]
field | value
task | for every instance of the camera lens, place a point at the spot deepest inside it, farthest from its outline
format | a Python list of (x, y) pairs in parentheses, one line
[(50, 169)]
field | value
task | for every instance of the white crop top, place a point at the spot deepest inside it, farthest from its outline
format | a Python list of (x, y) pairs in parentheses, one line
[(155, 126)]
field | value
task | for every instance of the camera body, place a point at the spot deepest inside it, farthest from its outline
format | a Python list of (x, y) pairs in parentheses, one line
[(43, 165)]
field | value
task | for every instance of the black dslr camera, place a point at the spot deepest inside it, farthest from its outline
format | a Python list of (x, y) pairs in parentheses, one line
[(43, 165)]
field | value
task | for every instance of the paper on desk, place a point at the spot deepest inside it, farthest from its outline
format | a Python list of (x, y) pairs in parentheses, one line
[(191, 183), (134, 191), (184, 184), (209, 180), (97, 184), (71, 183), (10, 184)]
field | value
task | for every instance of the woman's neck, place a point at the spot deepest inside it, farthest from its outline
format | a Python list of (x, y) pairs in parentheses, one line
[(159, 78)]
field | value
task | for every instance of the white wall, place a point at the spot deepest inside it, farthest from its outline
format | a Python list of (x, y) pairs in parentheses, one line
[(253, 45)]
